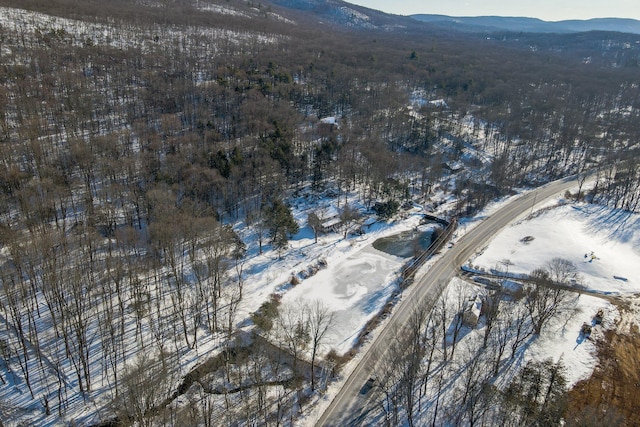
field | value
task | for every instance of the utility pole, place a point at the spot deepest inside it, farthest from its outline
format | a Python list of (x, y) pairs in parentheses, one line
[(535, 195)]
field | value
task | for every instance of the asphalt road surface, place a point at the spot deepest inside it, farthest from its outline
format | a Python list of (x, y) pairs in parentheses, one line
[(349, 406)]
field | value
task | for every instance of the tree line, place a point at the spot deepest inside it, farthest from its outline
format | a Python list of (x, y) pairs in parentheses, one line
[(129, 144), (433, 374)]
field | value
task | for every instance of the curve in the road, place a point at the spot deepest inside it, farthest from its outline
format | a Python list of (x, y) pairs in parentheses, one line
[(346, 403)]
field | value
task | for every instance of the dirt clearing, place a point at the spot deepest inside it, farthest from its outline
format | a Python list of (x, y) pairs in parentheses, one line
[(611, 396)]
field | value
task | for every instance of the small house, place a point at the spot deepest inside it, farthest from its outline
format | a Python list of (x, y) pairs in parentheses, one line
[(327, 125), (453, 166), (331, 221), (471, 314), (438, 103)]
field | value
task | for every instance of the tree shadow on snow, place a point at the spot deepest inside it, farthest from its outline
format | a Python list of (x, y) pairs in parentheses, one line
[(375, 301), (616, 223)]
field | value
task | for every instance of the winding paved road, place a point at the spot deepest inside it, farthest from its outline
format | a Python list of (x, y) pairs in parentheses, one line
[(347, 406)]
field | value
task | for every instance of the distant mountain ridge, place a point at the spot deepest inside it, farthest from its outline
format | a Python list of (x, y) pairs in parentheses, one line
[(346, 14), (530, 25)]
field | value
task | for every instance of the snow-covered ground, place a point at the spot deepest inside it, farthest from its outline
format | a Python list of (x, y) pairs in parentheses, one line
[(603, 244), (560, 229), (560, 339), (355, 285), (359, 278)]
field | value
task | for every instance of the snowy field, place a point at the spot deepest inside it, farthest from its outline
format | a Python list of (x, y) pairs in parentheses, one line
[(603, 244)]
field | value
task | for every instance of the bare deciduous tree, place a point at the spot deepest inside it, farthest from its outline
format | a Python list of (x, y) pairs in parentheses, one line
[(544, 300), (315, 223), (145, 386), (320, 319), (561, 270)]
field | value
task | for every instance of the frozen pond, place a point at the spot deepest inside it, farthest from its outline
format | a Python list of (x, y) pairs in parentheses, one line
[(355, 288), (407, 243)]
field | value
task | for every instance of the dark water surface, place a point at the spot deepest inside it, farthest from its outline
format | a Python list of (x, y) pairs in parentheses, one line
[(405, 244)]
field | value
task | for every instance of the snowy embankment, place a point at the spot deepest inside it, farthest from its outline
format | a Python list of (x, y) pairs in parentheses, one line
[(602, 243)]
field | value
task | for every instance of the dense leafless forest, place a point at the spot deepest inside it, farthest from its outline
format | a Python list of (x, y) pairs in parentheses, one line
[(133, 133)]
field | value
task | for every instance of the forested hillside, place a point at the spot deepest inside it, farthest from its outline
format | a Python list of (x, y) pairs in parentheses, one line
[(139, 138)]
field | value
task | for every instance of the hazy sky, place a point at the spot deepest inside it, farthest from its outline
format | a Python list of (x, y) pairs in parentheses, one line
[(549, 10)]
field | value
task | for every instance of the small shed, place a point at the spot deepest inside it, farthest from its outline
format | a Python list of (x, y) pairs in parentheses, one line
[(331, 224), (453, 166), (329, 121), (330, 220), (328, 125), (471, 314)]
